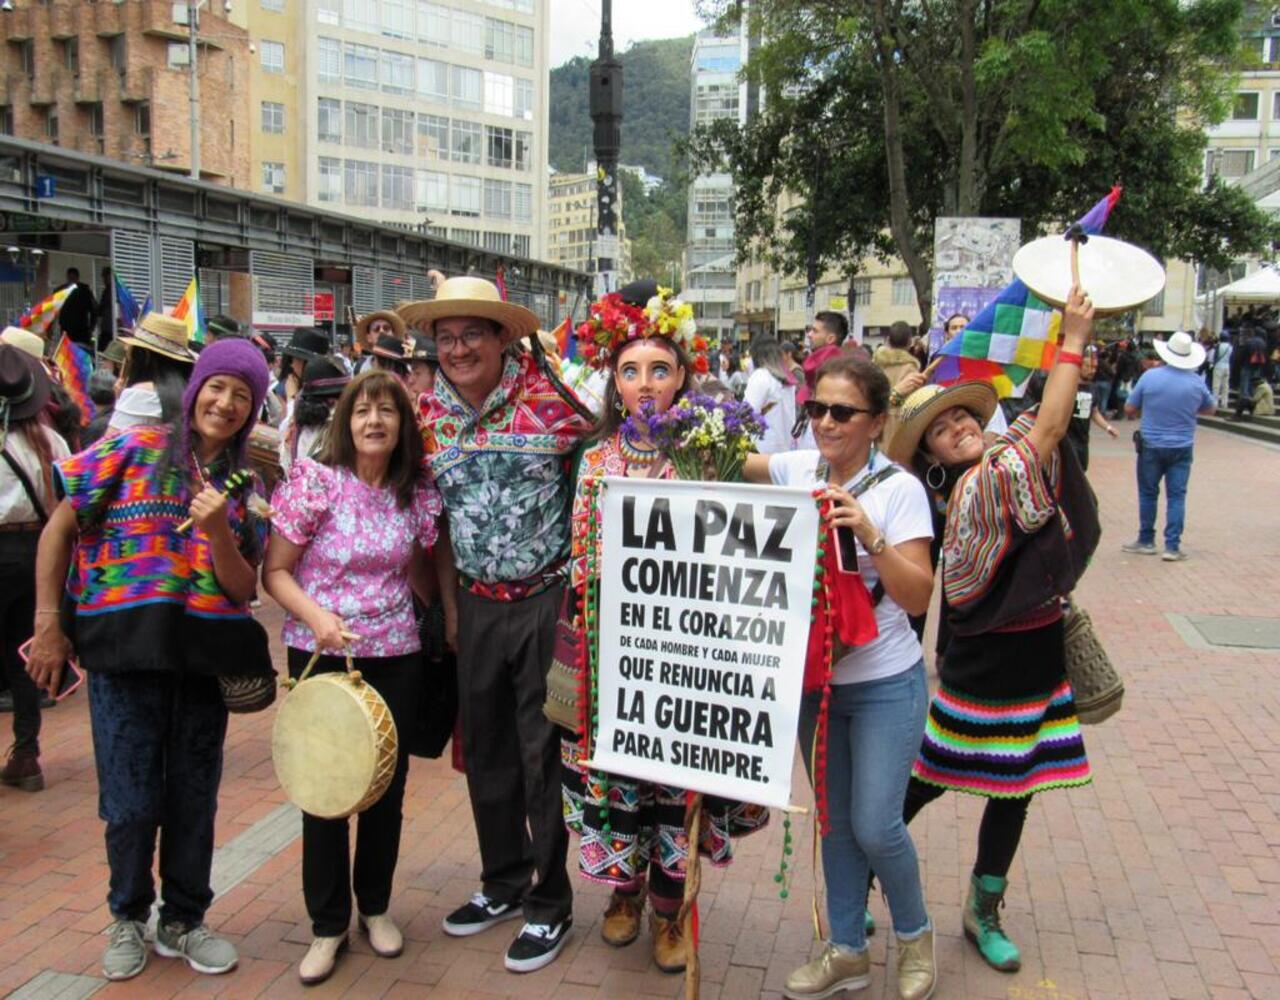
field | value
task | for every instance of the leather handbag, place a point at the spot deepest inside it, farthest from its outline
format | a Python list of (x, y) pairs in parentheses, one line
[(565, 676), (1099, 689)]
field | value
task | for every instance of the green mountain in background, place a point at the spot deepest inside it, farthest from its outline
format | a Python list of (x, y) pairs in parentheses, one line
[(655, 113), (655, 94)]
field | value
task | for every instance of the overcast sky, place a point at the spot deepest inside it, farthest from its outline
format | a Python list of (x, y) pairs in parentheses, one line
[(575, 24)]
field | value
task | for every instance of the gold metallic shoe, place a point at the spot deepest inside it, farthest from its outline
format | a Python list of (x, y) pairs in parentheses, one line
[(622, 918), (832, 971), (917, 970), (318, 963), (668, 943)]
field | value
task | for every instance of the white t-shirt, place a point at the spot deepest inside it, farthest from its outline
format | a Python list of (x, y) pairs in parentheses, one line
[(776, 401), (899, 507), (15, 505)]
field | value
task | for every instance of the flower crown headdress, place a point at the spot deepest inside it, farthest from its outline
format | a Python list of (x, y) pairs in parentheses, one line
[(613, 322)]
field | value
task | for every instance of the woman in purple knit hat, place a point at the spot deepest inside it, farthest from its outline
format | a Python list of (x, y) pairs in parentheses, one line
[(156, 611)]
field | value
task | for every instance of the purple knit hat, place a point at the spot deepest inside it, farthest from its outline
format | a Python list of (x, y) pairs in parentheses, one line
[(230, 357)]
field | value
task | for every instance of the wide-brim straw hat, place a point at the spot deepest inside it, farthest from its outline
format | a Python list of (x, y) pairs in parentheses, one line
[(24, 385), (468, 296), (1181, 351), (24, 340), (396, 321), (162, 335), (927, 403)]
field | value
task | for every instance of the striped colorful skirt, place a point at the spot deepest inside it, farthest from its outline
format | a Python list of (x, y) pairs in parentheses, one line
[(1003, 722)]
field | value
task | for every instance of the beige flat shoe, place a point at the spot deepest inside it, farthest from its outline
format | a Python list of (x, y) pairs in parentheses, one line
[(318, 963), (384, 936)]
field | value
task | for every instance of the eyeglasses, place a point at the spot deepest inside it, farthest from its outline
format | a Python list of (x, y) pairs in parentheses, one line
[(840, 413), (471, 338)]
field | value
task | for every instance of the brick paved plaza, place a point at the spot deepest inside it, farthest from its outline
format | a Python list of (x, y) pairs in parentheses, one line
[(1162, 879)]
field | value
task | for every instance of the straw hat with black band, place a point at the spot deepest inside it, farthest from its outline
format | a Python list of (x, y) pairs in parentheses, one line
[(927, 403), (470, 297), (24, 340), (364, 322), (162, 335)]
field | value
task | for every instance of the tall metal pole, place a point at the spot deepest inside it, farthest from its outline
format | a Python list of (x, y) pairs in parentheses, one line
[(193, 25), (606, 117)]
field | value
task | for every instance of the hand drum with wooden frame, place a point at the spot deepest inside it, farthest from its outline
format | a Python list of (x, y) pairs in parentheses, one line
[(1117, 276), (334, 744)]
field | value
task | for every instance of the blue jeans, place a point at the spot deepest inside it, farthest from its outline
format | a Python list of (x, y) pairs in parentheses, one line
[(1102, 396), (157, 742), (1174, 466), (874, 734)]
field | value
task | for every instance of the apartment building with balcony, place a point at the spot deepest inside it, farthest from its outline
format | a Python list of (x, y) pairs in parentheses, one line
[(426, 115), (113, 78)]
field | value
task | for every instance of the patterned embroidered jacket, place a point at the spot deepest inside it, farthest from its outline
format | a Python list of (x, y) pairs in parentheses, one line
[(143, 595), (501, 471)]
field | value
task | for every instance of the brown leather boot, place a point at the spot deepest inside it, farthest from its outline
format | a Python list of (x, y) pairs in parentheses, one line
[(22, 770), (622, 918), (668, 943)]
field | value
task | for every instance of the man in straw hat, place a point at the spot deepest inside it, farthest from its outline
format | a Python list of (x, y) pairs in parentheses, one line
[(370, 328), (497, 435), (1169, 397)]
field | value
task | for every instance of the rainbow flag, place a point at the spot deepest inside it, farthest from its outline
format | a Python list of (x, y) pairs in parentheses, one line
[(190, 309), (75, 366), (1015, 335), (566, 342), (40, 316)]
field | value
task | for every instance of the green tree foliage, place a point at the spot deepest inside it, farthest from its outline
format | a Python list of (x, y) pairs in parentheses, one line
[(655, 80), (884, 114), (656, 227)]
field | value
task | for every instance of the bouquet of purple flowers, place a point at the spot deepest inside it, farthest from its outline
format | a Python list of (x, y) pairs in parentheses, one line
[(703, 437)]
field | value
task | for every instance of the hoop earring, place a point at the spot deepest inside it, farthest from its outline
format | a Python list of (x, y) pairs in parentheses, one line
[(942, 477), (620, 406)]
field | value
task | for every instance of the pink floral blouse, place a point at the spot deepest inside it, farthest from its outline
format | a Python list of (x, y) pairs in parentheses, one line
[(357, 547)]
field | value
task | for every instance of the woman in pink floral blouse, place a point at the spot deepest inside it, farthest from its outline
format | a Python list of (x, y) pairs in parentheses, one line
[(349, 532)]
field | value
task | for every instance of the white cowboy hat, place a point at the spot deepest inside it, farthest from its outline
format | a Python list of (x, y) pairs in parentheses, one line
[(1181, 351), (470, 296)]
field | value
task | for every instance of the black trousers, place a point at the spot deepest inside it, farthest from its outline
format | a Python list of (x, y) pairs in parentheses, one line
[(512, 751), (327, 874), (17, 614)]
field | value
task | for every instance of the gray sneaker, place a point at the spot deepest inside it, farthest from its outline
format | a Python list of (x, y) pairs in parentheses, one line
[(1173, 555), (1140, 548), (126, 955), (204, 951)]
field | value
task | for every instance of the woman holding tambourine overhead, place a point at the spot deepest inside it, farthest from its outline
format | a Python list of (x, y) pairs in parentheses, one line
[(157, 608), (1021, 523), (348, 531)]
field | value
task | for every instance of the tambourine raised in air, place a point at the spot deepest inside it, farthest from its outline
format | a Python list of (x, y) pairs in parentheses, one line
[(1117, 276)]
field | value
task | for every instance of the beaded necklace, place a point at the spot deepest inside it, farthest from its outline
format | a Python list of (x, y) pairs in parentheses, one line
[(635, 455)]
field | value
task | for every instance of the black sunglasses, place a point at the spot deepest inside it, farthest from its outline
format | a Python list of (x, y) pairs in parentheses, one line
[(840, 413)]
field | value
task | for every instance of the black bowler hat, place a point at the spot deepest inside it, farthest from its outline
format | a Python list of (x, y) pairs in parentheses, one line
[(307, 343), (424, 349), (638, 293)]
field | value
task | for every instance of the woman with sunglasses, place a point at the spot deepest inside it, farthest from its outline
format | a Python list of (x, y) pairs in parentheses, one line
[(878, 695)]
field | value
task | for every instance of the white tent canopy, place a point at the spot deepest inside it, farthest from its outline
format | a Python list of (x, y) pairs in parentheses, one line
[(1263, 285)]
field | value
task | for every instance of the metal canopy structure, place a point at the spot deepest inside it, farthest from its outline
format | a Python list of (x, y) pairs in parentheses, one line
[(48, 189)]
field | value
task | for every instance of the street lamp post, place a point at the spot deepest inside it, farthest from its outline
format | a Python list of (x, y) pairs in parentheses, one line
[(193, 27), (606, 116)]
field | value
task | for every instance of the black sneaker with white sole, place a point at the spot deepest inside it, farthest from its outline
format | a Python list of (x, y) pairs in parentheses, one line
[(537, 945), (479, 915)]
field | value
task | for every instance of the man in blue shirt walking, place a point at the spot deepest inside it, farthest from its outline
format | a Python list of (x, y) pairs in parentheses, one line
[(1169, 398)]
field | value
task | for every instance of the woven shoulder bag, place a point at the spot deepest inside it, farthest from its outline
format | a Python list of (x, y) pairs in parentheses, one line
[(1098, 688)]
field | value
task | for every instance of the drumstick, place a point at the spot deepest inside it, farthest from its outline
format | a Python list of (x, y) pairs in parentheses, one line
[(235, 482), (1076, 235)]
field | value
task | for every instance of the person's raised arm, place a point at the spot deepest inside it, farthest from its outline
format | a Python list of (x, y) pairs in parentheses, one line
[(1058, 402)]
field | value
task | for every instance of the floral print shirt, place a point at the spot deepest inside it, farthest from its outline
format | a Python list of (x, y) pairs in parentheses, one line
[(357, 546), (501, 470)]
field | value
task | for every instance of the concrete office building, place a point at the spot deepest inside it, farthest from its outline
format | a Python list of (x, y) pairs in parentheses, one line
[(426, 115), (571, 224)]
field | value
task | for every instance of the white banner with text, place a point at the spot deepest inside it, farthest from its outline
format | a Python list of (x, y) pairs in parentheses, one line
[(705, 598)]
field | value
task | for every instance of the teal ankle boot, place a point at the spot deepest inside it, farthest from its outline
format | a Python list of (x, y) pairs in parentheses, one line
[(869, 922), (982, 922)]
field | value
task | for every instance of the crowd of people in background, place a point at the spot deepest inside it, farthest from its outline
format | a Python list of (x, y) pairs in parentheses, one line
[(436, 468)]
